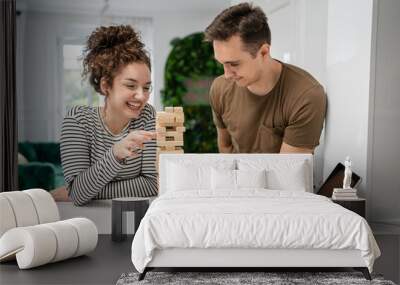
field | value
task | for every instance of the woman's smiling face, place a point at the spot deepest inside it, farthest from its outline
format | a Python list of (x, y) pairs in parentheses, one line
[(130, 90)]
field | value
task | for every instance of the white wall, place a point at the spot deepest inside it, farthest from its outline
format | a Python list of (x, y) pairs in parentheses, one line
[(347, 80), (312, 57), (384, 140)]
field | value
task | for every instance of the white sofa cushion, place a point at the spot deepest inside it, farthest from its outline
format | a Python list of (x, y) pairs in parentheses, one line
[(24, 211), (32, 246), (45, 205), (87, 233), (67, 237), (7, 220), (40, 244)]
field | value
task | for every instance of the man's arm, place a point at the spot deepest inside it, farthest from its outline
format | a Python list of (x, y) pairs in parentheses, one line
[(286, 148), (306, 122), (224, 141)]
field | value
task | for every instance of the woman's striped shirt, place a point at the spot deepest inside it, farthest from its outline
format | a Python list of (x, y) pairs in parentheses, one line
[(91, 170)]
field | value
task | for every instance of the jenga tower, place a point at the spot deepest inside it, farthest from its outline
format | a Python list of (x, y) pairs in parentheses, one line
[(170, 129)]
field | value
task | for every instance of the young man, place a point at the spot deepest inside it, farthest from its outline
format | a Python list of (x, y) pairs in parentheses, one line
[(260, 104)]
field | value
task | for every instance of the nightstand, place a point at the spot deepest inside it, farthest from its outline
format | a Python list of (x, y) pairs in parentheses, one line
[(128, 204), (355, 205)]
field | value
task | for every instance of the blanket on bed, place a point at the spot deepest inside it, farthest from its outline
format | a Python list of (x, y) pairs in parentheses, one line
[(251, 218)]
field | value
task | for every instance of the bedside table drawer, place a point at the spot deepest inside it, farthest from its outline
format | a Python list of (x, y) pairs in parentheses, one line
[(357, 206)]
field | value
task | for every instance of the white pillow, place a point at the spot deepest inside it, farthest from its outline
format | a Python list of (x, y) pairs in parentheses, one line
[(227, 179), (184, 174), (281, 174), (223, 179), (293, 179), (251, 178), (183, 178)]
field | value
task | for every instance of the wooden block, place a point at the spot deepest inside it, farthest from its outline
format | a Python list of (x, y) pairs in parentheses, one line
[(161, 130), (177, 136), (166, 118), (161, 137), (167, 124), (162, 149), (169, 109), (161, 113), (171, 118), (179, 115), (161, 120), (172, 133), (180, 129), (179, 118), (171, 151), (169, 143), (178, 109)]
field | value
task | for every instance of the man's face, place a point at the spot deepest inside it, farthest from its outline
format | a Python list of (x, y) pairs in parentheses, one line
[(239, 64)]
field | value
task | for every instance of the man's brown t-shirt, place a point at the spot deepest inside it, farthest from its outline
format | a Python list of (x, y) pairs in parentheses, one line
[(292, 112)]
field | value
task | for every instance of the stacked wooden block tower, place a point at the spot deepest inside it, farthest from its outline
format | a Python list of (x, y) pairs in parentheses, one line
[(170, 129)]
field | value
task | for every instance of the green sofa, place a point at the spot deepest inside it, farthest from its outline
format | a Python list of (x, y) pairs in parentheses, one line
[(43, 169)]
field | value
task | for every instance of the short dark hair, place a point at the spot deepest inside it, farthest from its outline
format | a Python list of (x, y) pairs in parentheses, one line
[(249, 22), (110, 48)]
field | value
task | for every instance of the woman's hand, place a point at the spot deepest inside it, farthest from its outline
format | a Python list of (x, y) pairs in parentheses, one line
[(60, 194), (128, 146)]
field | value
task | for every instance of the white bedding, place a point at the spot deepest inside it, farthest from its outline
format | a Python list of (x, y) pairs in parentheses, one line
[(251, 218)]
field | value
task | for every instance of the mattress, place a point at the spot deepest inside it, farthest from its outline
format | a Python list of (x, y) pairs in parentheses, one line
[(251, 219)]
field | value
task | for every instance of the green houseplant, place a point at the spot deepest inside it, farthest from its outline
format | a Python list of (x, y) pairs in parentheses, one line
[(192, 60)]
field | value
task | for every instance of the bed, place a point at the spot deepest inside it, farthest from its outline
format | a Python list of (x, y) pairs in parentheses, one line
[(247, 210)]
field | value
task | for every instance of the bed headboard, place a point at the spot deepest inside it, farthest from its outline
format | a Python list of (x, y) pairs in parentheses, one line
[(208, 159)]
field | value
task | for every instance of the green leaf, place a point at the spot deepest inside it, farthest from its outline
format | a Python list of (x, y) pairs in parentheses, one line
[(192, 58)]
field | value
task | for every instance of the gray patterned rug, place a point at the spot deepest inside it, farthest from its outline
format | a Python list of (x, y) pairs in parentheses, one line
[(243, 278)]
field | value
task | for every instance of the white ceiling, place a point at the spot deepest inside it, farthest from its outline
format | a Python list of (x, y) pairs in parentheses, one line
[(123, 6)]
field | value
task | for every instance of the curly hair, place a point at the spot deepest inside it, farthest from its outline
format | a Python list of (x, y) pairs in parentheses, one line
[(249, 22), (108, 49)]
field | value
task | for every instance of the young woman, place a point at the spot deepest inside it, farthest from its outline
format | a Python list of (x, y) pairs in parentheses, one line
[(110, 151)]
